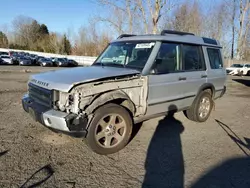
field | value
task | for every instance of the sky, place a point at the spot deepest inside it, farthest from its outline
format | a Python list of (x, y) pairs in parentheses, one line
[(58, 15)]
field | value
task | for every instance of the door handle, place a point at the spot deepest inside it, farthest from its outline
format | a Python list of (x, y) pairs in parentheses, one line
[(182, 78), (204, 76)]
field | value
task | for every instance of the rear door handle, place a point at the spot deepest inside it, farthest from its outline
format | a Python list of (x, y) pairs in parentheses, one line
[(203, 76), (182, 78)]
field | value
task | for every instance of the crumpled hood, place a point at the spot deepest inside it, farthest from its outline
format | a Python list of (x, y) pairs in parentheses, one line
[(64, 80)]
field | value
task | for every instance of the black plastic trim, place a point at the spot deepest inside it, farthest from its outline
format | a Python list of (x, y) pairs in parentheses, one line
[(186, 97), (175, 32)]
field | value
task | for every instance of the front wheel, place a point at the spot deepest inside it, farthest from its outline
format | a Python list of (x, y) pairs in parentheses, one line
[(201, 107), (110, 129)]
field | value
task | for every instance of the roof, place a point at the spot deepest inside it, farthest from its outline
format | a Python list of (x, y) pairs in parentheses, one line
[(171, 36)]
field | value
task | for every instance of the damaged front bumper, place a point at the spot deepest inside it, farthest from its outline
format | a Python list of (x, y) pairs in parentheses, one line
[(56, 120)]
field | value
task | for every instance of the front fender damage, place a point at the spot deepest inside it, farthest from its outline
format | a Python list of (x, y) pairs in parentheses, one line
[(131, 92)]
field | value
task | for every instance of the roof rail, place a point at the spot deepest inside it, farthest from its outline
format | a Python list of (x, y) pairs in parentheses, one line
[(175, 32), (125, 35)]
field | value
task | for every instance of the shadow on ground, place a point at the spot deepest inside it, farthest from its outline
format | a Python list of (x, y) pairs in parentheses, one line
[(164, 163), (2, 153), (244, 145), (243, 81), (39, 177), (231, 173)]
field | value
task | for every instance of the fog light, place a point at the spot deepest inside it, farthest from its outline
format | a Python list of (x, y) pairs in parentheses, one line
[(47, 121)]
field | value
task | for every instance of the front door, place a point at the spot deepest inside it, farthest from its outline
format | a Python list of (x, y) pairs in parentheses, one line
[(166, 80)]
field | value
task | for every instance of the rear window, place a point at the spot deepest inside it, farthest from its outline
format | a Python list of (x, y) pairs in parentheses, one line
[(214, 58)]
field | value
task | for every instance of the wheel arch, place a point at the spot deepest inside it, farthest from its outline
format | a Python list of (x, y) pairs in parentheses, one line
[(207, 86), (118, 97)]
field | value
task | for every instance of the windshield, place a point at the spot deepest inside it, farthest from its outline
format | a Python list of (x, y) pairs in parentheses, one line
[(237, 65), (61, 59), (126, 54)]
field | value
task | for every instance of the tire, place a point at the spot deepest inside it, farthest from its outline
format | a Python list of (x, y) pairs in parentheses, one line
[(193, 112), (248, 73), (112, 137)]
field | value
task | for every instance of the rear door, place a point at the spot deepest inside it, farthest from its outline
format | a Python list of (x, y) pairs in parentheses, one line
[(194, 68)]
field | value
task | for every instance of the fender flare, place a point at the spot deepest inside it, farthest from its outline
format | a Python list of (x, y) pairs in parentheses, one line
[(206, 86), (111, 96)]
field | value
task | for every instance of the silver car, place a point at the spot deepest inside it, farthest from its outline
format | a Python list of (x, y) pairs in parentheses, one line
[(6, 59), (136, 78)]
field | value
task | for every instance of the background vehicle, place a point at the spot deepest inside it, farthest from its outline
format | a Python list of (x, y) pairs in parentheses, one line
[(4, 53), (33, 58), (134, 79), (37, 60), (45, 62), (24, 61), (233, 67), (239, 69), (61, 62), (7, 60), (72, 63)]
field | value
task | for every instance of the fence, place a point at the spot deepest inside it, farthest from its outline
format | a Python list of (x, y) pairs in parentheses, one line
[(87, 60), (81, 60)]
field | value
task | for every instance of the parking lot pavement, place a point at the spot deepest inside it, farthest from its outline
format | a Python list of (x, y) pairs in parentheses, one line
[(165, 152)]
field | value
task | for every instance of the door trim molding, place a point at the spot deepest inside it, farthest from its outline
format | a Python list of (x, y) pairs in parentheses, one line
[(176, 99)]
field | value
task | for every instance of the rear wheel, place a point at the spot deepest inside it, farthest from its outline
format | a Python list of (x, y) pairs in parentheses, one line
[(248, 73), (201, 107), (110, 129)]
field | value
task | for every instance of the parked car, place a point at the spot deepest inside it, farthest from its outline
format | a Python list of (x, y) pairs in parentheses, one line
[(72, 63), (61, 62), (239, 69), (45, 62), (33, 58), (4, 53), (7, 60), (37, 59), (233, 67), (136, 78), (23, 60)]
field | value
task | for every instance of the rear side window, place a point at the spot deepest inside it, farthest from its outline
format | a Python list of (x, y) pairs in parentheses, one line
[(193, 58), (214, 58)]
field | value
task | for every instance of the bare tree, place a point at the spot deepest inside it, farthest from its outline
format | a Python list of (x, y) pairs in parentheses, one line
[(121, 14), (188, 18), (155, 9), (244, 11), (233, 28)]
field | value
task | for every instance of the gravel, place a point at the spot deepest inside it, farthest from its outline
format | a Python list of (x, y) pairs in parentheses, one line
[(165, 152)]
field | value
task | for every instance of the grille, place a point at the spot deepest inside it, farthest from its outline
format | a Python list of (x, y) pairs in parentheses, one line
[(40, 95)]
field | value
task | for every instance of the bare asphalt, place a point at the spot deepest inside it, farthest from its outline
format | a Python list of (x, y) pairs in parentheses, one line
[(165, 152)]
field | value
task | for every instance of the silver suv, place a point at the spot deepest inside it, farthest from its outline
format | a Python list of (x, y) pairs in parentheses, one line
[(136, 78)]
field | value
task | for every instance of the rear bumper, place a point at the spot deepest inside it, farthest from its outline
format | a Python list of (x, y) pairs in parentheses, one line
[(56, 120)]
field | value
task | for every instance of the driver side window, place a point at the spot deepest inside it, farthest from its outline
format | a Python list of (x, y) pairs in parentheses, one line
[(167, 59)]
